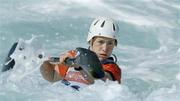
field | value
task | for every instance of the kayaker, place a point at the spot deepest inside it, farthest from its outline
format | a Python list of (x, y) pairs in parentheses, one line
[(102, 38)]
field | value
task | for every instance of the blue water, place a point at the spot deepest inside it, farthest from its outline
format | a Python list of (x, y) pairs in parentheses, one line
[(148, 48)]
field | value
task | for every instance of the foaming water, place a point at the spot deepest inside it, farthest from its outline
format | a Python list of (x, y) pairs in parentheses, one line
[(148, 48)]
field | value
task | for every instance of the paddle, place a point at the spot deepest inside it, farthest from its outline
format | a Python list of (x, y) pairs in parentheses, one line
[(86, 59)]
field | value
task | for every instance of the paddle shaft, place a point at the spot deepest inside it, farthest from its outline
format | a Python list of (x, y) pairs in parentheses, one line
[(68, 61)]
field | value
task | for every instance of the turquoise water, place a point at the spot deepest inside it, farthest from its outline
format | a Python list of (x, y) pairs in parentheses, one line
[(148, 48)]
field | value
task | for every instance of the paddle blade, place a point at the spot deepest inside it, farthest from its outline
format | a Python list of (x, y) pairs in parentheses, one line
[(89, 61), (9, 62)]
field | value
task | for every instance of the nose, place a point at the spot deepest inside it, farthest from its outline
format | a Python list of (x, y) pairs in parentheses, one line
[(105, 47)]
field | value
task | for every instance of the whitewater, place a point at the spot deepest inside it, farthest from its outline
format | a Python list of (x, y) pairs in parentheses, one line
[(148, 49)]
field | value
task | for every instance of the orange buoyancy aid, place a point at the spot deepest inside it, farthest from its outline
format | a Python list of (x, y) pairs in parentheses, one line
[(113, 70), (72, 75)]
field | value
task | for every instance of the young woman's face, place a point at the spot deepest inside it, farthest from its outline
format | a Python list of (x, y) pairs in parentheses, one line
[(103, 47)]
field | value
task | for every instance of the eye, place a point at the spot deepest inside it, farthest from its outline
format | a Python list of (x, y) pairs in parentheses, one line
[(101, 42), (110, 43)]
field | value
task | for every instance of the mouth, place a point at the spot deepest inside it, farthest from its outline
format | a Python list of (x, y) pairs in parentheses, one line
[(103, 55)]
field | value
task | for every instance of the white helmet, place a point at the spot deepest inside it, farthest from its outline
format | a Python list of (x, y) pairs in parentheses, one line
[(105, 27)]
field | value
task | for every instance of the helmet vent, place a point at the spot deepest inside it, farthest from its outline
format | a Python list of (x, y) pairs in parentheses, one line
[(114, 27), (103, 24), (96, 22)]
